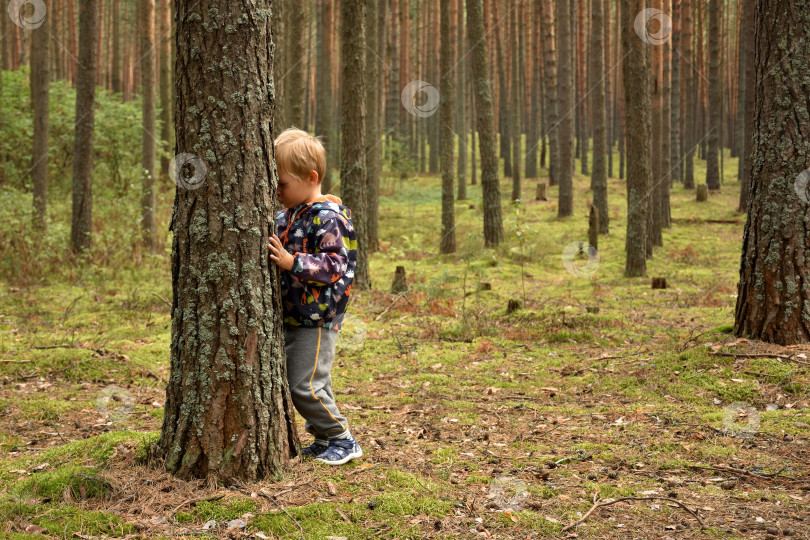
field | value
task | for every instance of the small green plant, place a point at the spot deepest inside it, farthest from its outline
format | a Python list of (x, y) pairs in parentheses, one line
[(520, 229)]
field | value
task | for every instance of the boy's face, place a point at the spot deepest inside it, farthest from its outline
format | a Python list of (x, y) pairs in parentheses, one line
[(292, 192)]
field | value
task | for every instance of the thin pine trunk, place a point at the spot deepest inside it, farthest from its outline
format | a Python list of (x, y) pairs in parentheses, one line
[(493, 223), (597, 67), (82, 210)]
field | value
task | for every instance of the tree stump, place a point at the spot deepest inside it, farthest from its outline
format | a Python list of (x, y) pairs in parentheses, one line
[(593, 227), (541, 192), (702, 192), (485, 286), (659, 282), (512, 306), (399, 284)]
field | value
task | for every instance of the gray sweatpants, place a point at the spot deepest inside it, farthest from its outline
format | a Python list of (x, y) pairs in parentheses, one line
[(310, 353)]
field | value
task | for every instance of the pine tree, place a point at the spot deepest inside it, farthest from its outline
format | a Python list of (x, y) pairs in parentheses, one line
[(599, 173), (485, 124), (638, 107), (447, 242), (239, 425), (715, 98), (147, 51), (82, 211), (773, 301), (40, 92), (566, 108), (353, 165)]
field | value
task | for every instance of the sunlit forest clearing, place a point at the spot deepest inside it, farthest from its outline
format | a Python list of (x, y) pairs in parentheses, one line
[(551, 381)]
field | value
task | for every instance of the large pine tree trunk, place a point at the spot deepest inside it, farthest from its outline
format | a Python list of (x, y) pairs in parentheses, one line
[(599, 173), (40, 84), (82, 212), (773, 302), (566, 109), (485, 124), (228, 412), (447, 243), (353, 166), (715, 103), (638, 109), (147, 51)]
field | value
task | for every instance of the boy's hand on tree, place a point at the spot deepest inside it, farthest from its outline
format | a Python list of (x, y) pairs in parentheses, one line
[(280, 255)]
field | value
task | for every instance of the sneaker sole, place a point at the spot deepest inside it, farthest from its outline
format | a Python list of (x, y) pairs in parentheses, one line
[(348, 458)]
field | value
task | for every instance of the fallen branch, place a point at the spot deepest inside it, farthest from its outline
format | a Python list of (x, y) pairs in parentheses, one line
[(400, 295), (791, 358), (743, 472), (597, 504)]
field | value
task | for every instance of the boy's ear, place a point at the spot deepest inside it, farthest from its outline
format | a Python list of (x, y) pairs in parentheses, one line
[(313, 177)]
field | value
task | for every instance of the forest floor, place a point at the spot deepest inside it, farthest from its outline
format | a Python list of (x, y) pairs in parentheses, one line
[(474, 422)]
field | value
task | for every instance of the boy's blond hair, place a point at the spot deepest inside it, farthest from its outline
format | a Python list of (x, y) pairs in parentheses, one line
[(298, 153)]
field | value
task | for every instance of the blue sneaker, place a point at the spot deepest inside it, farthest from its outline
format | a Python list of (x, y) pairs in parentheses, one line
[(313, 449), (340, 451)]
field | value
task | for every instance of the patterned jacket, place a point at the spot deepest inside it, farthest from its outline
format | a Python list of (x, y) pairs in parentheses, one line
[(323, 241)]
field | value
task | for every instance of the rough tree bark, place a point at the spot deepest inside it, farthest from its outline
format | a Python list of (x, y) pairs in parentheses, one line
[(228, 412), (773, 301)]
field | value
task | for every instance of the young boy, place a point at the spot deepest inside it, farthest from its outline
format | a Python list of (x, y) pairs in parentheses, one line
[(316, 248)]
